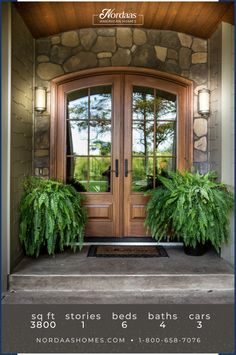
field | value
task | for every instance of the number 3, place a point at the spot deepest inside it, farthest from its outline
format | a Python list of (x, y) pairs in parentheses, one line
[(199, 324)]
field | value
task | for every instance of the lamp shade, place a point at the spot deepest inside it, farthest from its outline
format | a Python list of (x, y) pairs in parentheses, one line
[(204, 102), (40, 99)]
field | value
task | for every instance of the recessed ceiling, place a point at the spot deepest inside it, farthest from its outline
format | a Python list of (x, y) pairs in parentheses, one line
[(199, 19)]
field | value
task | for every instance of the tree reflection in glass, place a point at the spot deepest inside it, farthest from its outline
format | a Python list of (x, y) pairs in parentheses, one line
[(89, 135), (154, 130)]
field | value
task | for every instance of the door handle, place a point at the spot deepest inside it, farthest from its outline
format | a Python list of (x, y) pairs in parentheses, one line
[(117, 167), (127, 171), (116, 171), (126, 168)]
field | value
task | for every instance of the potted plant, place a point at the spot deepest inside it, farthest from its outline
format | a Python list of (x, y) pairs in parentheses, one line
[(192, 207), (51, 216)]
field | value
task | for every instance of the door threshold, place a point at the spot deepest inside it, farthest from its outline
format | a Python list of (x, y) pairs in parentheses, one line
[(127, 241), (172, 244)]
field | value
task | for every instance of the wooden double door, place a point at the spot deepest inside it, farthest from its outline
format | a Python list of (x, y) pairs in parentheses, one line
[(114, 134)]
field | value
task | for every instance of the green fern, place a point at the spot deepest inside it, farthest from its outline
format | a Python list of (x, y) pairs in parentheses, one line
[(51, 215), (194, 208)]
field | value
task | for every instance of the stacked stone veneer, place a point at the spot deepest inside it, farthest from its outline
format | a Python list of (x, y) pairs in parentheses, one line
[(21, 121), (214, 138), (166, 51)]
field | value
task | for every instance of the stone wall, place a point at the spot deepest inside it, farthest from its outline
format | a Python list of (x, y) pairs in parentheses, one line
[(215, 62), (21, 120), (166, 51)]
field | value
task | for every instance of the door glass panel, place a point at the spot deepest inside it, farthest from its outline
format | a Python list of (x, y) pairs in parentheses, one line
[(78, 105), (165, 164), (100, 103), (100, 174), (165, 138), (77, 173), (100, 138), (143, 103), (142, 138), (77, 137), (153, 135), (165, 105), (142, 173), (89, 143)]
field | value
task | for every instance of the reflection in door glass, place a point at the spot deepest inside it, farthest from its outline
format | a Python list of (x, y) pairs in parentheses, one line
[(77, 137), (143, 104), (78, 105), (142, 138), (153, 136), (77, 173), (165, 138), (89, 126), (166, 163), (100, 103), (100, 174), (100, 138), (142, 174)]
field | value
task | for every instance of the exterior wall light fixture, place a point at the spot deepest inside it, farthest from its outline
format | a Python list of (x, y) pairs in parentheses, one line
[(204, 102), (40, 99)]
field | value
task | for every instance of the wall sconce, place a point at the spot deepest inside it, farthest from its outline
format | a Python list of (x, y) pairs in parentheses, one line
[(204, 102), (40, 99)]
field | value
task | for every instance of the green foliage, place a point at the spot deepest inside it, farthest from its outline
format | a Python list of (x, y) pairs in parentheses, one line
[(50, 215), (192, 207), (98, 165)]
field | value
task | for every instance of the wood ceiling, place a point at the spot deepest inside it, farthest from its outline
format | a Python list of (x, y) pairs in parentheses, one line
[(199, 19)]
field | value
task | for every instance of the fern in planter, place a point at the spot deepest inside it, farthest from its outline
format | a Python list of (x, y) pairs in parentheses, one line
[(51, 215), (194, 208)]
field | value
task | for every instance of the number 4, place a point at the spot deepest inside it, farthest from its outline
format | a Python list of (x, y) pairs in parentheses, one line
[(162, 325)]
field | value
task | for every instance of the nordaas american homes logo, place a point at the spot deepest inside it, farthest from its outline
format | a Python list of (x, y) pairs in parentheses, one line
[(111, 17)]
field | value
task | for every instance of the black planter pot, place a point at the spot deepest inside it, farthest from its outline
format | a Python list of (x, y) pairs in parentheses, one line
[(199, 250)]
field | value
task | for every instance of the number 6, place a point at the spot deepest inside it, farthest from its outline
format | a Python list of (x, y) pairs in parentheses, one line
[(124, 324)]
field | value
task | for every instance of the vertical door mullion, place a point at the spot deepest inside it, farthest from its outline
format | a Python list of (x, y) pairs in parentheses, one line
[(127, 152), (117, 181)]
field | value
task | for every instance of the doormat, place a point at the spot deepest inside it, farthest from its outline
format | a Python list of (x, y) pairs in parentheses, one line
[(122, 251)]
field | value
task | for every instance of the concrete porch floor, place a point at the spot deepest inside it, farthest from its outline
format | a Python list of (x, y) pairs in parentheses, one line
[(73, 278)]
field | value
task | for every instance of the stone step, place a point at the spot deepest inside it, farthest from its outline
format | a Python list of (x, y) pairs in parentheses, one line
[(120, 297), (118, 282)]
